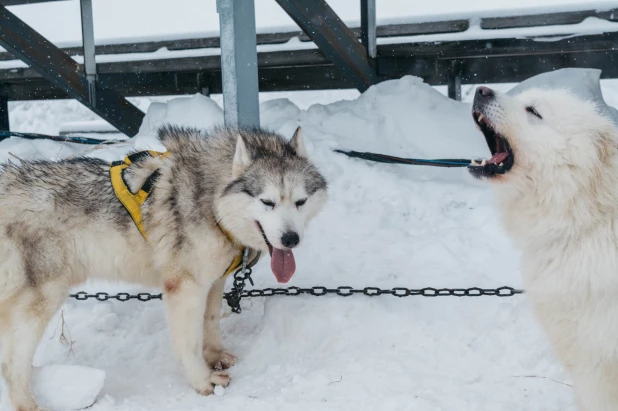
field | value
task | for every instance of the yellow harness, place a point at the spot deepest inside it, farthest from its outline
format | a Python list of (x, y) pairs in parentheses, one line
[(133, 202)]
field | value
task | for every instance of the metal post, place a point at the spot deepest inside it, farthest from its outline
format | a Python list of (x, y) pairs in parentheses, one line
[(454, 87), (368, 27), (239, 68), (4, 113), (454, 81), (90, 65)]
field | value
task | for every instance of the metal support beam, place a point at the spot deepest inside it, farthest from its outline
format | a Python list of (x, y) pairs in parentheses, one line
[(19, 2), (63, 72), (334, 38), (239, 69), (454, 80), (90, 65), (368, 27)]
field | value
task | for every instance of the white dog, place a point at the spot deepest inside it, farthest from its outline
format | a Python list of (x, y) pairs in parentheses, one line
[(554, 167)]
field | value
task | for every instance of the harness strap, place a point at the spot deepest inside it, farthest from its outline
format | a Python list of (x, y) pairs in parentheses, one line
[(133, 203), (237, 262)]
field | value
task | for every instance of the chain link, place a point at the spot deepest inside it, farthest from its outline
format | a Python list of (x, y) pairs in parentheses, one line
[(238, 292)]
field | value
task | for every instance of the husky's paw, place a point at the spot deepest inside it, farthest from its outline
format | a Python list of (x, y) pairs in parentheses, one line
[(221, 378), (219, 358)]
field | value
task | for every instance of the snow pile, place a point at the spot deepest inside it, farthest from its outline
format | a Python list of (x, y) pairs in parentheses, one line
[(384, 226), (198, 111), (62, 387)]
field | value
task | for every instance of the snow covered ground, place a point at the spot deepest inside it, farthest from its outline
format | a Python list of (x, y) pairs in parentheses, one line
[(383, 226)]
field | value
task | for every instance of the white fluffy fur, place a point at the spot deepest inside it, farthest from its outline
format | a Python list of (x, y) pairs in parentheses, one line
[(559, 203)]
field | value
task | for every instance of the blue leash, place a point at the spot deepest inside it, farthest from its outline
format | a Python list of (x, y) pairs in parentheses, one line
[(379, 158), (63, 139), (383, 158)]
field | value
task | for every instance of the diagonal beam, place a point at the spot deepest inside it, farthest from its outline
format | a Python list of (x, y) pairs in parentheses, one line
[(19, 2), (63, 72), (334, 38)]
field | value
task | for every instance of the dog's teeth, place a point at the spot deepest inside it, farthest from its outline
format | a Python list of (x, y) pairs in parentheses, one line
[(473, 163), (481, 117), (483, 163), (501, 164)]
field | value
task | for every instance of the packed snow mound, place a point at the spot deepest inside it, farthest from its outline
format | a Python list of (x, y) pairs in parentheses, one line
[(403, 117), (66, 387), (197, 111), (63, 387)]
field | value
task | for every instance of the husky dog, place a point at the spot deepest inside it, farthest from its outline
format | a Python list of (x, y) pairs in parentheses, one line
[(554, 167), (61, 223)]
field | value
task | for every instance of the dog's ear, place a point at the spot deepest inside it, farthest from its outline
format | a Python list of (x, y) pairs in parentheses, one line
[(242, 159), (298, 143)]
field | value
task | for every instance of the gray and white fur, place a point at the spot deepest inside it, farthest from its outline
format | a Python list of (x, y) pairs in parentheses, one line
[(61, 224)]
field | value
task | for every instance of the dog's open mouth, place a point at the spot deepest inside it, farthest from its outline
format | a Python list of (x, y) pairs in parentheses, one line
[(502, 158), (282, 262)]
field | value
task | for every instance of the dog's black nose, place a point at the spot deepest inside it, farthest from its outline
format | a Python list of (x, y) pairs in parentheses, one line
[(290, 239), (484, 92)]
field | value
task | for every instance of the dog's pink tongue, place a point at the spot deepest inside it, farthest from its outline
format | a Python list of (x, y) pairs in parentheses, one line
[(283, 264), (498, 158)]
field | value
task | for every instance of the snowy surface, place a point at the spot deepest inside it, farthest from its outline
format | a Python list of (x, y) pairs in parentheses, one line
[(384, 226), (145, 20), (99, 126), (148, 20), (589, 26)]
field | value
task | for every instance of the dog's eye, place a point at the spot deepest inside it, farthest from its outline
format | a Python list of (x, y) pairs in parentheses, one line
[(533, 111), (268, 203), (301, 203)]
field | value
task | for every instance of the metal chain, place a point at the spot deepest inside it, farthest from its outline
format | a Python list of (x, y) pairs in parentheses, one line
[(396, 292), (238, 288), (82, 296), (238, 292)]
